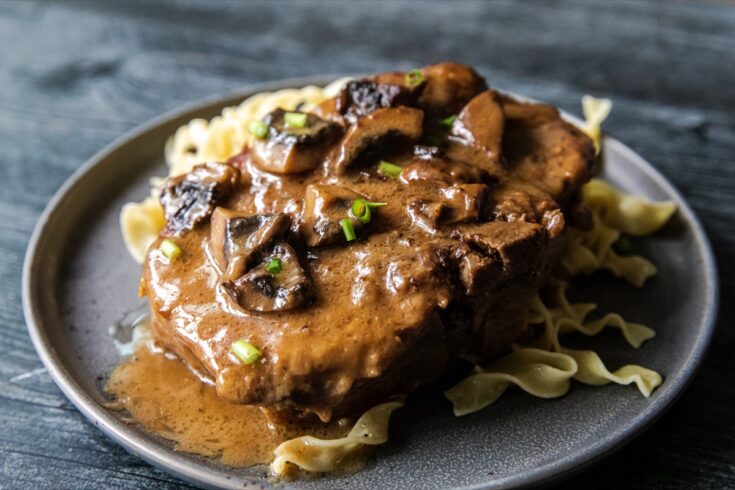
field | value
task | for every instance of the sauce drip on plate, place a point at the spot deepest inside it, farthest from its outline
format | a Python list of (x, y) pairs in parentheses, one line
[(168, 399)]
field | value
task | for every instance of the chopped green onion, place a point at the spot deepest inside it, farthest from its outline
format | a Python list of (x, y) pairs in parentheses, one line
[(258, 129), (274, 266), (348, 229), (413, 78), (361, 211), (448, 121), (170, 249), (295, 119), (389, 169), (245, 351)]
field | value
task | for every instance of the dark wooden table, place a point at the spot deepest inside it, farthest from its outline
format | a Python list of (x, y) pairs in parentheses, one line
[(73, 76)]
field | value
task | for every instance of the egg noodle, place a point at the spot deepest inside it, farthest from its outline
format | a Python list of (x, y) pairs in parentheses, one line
[(543, 368)]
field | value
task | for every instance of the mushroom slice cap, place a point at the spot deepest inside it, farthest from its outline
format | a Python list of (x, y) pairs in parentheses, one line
[(359, 98), (263, 291), (449, 86), (287, 149), (237, 240), (403, 122), (191, 198), (481, 123)]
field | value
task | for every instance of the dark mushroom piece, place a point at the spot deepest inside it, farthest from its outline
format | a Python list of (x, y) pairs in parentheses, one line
[(359, 98), (449, 86), (481, 123), (191, 198), (292, 148), (238, 240), (529, 113), (324, 207), (400, 122), (545, 149), (281, 288)]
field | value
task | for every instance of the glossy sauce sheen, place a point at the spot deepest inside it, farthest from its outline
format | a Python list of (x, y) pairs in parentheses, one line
[(168, 399), (389, 310)]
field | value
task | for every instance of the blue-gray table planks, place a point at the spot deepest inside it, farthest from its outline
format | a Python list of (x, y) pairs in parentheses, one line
[(73, 76)]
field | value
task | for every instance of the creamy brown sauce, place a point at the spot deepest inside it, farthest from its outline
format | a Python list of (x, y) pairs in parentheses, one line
[(168, 399)]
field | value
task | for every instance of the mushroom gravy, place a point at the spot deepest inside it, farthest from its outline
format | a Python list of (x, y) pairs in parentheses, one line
[(162, 394)]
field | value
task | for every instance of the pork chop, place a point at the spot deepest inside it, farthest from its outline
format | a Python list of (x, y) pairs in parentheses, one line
[(412, 218)]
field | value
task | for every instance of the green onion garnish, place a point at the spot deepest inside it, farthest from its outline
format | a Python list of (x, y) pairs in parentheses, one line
[(274, 266), (361, 209), (295, 119), (389, 169), (245, 351), (170, 249), (258, 129), (413, 78), (348, 229), (448, 121)]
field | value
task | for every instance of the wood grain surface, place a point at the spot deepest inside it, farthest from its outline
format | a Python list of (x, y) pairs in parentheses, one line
[(74, 76)]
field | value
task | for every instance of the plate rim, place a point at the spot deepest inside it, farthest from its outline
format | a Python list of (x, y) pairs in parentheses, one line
[(163, 458)]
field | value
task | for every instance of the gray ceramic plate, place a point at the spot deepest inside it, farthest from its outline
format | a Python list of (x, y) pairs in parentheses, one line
[(78, 280)]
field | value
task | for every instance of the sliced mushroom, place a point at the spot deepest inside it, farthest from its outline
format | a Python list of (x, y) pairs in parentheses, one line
[(324, 207), (529, 113), (237, 240), (449, 86), (442, 170), (542, 147), (190, 198), (359, 98), (264, 291), (481, 123), (288, 150), (402, 122)]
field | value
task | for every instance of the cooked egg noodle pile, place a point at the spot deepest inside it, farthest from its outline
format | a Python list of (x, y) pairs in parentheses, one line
[(544, 369)]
